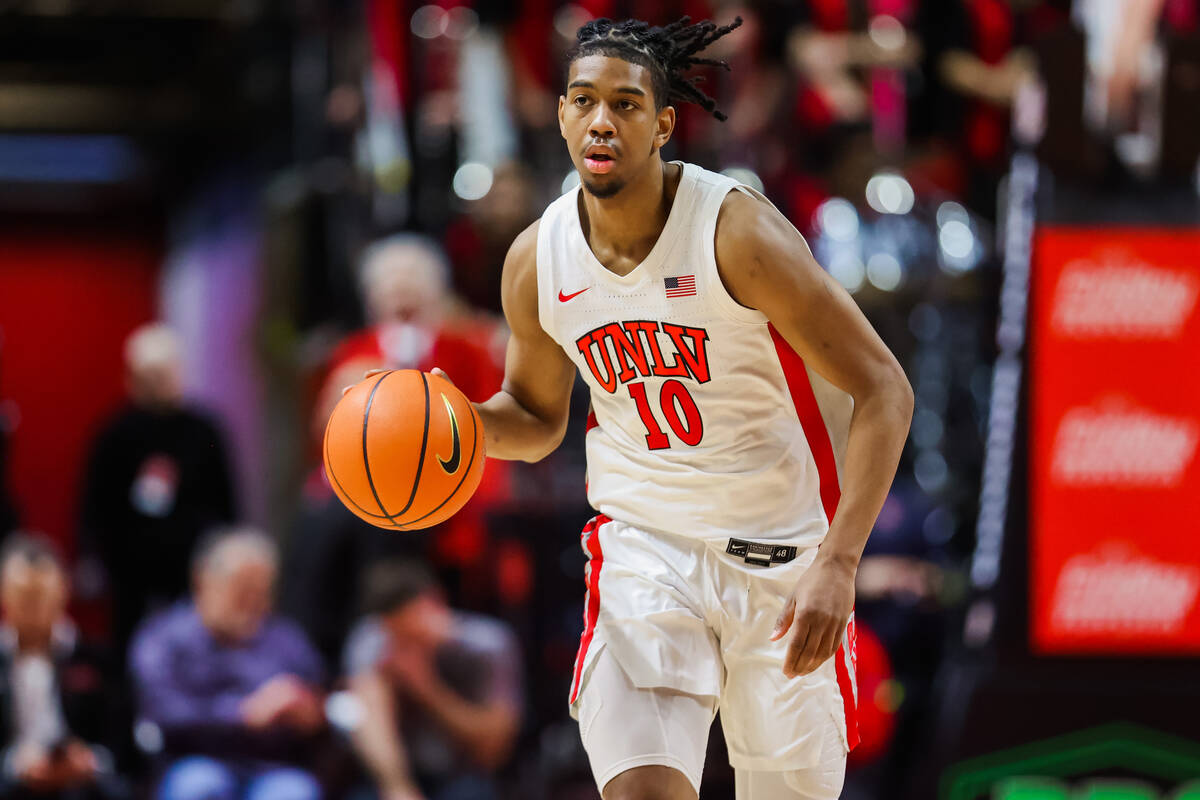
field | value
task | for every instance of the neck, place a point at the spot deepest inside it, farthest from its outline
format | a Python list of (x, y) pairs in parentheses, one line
[(622, 229)]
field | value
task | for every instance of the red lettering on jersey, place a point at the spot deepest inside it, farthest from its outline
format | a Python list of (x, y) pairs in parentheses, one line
[(695, 357), (628, 347), (585, 343), (662, 370)]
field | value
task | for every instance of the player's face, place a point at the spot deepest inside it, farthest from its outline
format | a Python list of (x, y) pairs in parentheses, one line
[(608, 119)]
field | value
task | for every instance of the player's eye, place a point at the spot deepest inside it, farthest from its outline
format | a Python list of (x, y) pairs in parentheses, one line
[(580, 100), (628, 105)]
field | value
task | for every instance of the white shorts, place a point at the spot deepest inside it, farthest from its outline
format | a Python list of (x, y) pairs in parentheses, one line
[(686, 628)]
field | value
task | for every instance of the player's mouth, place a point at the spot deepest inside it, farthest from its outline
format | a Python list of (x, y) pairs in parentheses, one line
[(599, 159)]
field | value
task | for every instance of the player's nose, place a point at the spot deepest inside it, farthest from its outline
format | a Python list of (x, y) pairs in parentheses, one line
[(601, 126)]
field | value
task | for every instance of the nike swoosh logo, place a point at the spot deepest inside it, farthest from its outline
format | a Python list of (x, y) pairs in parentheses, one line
[(562, 298), (450, 465)]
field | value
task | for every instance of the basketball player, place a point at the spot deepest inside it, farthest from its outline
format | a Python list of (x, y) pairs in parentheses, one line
[(740, 398)]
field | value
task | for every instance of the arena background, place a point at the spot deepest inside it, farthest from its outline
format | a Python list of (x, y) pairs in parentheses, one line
[(1008, 188)]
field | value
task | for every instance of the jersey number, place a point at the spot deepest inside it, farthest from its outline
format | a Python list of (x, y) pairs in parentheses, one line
[(674, 399)]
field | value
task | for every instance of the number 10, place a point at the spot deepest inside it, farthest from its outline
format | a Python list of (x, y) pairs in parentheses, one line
[(673, 399)]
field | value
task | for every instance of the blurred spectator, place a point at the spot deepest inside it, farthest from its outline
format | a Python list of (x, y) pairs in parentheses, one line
[(440, 689), (405, 286), (976, 60), (478, 241), (229, 691), (55, 706), (330, 547), (157, 478), (900, 595)]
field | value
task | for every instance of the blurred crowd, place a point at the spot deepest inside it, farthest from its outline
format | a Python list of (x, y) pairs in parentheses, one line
[(323, 657)]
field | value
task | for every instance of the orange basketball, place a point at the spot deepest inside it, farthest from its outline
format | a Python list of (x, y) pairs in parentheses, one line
[(404, 449)]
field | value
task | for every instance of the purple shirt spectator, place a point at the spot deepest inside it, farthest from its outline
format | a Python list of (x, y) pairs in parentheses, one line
[(192, 685)]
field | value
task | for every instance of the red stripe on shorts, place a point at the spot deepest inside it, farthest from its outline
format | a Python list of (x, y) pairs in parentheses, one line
[(591, 602), (843, 660), (821, 448)]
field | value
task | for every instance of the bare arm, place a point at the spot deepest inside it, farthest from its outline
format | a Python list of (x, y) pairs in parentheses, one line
[(377, 739), (487, 730), (527, 418), (766, 264), (970, 75)]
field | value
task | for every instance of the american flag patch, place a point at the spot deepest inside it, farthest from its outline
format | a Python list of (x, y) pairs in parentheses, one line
[(681, 286)]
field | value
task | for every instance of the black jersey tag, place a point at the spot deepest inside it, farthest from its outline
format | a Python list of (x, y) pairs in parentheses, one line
[(761, 554)]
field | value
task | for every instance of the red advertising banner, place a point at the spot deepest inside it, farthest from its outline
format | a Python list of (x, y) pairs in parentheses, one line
[(1114, 470)]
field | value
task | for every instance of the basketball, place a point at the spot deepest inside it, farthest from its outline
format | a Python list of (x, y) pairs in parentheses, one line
[(404, 449)]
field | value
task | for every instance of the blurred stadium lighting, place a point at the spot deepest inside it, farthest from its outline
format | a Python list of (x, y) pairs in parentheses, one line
[(939, 526), (430, 22), (848, 270), (951, 210), (837, 219), (570, 181), (461, 23), (930, 471), (927, 428), (472, 181), (744, 175), (925, 322), (890, 193), (957, 246), (884, 271), (887, 32)]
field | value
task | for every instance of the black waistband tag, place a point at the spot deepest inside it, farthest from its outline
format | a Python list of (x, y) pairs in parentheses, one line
[(761, 554)]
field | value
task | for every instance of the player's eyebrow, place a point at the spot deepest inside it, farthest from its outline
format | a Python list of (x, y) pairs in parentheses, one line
[(619, 90)]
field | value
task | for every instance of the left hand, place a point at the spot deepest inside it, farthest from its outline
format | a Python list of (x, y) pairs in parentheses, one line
[(817, 610)]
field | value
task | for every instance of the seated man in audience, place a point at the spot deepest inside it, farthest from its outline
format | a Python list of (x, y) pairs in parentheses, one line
[(53, 704), (228, 692), (440, 690)]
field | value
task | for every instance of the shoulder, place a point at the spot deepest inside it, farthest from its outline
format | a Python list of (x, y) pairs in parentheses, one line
[(121, 424), (760, 255), (364, 645), (748, 225), (167, 627), (282, 629), (484, 635), (200, 421), (522, 253), (518, 282)]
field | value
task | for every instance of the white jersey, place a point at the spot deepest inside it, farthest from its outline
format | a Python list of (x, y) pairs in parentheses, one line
[(707, 424)]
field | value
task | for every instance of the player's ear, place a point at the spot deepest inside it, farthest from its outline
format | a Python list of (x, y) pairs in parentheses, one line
[(664, 126), (562, 104)]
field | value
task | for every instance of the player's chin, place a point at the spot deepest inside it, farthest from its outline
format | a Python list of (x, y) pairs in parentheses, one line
[(602, 188)]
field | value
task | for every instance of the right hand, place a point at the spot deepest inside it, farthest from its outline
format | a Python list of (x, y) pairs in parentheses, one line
[(271, 702), (366, 375), (435, 371)]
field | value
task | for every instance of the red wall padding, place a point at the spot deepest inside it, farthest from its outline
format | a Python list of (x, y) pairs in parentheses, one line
[(67, 302)]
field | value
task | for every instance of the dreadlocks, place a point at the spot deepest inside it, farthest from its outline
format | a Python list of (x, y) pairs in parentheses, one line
[(666, 52)]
